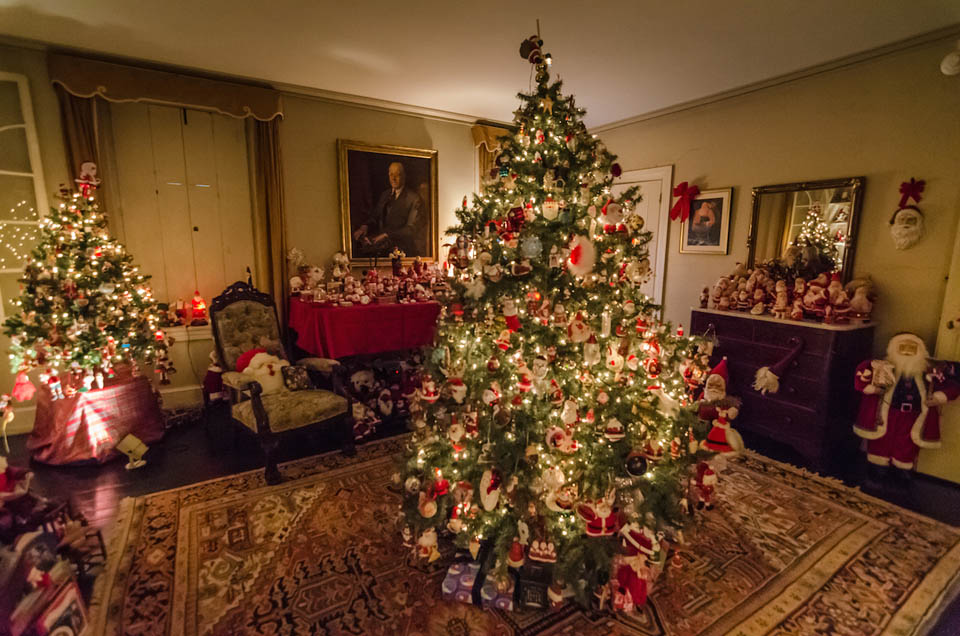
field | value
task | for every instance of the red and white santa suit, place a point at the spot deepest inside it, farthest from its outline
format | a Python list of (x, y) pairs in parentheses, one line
[(719, 409), (899, 412)]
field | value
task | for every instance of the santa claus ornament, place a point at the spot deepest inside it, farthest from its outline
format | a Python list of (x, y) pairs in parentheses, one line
[(906, 224), (902, 395)]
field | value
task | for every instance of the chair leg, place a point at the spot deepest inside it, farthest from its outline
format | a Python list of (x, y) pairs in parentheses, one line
[(270, 472), (346, 440)]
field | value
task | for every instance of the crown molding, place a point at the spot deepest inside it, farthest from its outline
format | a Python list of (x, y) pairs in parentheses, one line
[(293, 90), (382, 105), (948, 32), (23, 43)]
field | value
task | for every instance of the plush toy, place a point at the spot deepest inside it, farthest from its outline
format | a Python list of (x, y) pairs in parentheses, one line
[(266, 369), (902, 395)]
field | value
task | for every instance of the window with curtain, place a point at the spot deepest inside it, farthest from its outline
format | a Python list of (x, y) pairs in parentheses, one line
[(183, 196), (23, 197)]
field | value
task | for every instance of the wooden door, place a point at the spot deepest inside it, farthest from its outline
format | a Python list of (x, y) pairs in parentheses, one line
[(654, 206), (944, 462), (185, 197)]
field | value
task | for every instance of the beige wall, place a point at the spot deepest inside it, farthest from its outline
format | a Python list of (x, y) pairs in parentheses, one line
[(309, 136), (888, 119)]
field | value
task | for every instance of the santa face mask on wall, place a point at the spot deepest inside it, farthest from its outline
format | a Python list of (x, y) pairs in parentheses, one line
[(906, 227)]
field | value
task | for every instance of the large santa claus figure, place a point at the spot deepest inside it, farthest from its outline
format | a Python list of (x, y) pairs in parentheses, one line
[(720, 410), (899, 413)]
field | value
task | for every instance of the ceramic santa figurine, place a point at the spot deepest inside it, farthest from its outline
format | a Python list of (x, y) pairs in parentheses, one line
[(900, 409), (705, 486), (720, 410)]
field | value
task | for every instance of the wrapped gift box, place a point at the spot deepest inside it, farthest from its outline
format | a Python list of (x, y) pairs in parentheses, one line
[(534, 579), (460, 582), (493, 598)]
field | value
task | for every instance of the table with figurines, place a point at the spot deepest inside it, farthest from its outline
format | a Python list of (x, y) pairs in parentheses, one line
[(371, 314)]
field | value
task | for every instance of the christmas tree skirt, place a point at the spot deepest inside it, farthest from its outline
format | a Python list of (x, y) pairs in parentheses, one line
[(784, 552), (87, 426)]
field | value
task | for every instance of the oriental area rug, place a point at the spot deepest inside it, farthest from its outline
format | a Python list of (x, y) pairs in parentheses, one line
[(784, 552)]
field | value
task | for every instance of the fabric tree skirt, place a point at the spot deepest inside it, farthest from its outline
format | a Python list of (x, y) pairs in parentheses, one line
[(87, 426)]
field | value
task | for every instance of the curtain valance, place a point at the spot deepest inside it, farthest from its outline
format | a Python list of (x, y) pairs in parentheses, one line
[(488, 136), (120, 83)]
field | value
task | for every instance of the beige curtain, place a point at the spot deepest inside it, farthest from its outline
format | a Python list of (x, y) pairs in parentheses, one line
[(269, 231), (487, 140)]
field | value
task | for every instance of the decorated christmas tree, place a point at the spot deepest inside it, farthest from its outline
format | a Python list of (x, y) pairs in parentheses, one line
[(816, 244), (551, 422), (84, 307)]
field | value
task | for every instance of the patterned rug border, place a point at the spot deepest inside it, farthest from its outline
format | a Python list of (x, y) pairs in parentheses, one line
[(949, 593), (838, 484), (130, 508)]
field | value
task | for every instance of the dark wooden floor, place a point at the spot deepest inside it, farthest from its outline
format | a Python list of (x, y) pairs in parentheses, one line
[(187, 455)]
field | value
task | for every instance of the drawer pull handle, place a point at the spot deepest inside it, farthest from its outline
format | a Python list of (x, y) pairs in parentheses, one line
[(791, 390), (788, 420)]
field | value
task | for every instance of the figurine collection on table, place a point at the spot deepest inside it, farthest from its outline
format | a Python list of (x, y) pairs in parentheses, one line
[(418, 282), (774, 290)]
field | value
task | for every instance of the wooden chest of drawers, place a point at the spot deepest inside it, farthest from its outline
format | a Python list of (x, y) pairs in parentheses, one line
[(816, 405)]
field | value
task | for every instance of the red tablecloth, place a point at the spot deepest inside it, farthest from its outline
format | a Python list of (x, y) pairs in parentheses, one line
[(335, 332)]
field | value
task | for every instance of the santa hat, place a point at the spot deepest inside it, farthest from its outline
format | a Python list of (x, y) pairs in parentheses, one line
[(706, 476), (767, 379), (721, 370)]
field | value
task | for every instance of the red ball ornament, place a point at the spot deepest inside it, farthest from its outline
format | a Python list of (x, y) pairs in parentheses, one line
[(616, 170)]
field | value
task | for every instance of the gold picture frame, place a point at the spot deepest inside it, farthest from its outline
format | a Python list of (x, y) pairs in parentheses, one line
[(713, 235), (375, 216)]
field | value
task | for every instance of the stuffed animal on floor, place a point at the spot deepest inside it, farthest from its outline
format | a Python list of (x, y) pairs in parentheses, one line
[(266, 369)]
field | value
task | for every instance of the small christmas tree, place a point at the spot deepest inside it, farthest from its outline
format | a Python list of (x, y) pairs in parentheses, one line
[(550, 422), (84, 307)]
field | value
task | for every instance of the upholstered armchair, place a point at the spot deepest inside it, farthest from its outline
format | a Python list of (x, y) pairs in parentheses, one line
[(244, 319)]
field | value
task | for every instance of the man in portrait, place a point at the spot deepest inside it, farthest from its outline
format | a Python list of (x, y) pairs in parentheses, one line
[(397, 219)]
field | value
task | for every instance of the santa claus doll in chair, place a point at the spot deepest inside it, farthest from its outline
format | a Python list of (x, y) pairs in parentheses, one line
[(900, 409)]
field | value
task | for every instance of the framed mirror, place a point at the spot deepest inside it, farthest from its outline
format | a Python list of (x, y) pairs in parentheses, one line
[(784, 213)]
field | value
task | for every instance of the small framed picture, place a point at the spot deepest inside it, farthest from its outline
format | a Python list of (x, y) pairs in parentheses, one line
[(707, 229)]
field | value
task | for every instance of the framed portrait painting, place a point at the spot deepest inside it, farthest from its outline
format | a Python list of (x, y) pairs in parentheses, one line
[(388, 201), (707, 229)]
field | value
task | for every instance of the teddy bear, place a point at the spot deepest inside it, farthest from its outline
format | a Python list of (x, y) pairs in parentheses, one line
[(266, 369)]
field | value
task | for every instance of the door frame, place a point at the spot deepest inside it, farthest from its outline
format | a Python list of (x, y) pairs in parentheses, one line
[(665, 175)]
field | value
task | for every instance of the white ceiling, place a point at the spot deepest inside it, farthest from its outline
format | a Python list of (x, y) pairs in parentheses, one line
[(621, 59)]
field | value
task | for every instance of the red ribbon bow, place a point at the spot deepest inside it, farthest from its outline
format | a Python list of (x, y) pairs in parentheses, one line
[(681, 209), (911, 190)]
